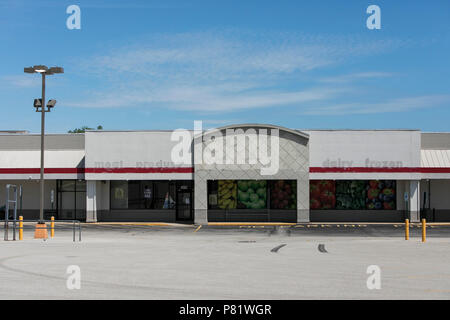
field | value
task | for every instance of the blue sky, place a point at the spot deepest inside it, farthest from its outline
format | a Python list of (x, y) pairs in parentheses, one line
[(162, 64)]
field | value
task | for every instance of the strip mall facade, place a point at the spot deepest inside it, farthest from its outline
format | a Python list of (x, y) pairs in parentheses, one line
[(322, 175)]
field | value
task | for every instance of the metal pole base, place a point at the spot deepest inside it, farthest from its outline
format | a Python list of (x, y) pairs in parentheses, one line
[(41, 231)]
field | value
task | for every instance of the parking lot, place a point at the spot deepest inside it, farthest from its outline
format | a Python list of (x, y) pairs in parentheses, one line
[(237, 262)]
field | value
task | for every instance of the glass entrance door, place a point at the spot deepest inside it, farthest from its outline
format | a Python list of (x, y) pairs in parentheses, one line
[(184, 203), (71, 195)]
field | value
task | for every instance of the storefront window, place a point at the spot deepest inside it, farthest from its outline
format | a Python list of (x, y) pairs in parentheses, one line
[(252, 194), (353, 194), (162, 197), (119, 194), (322, 194), (80, 185), (381, 194), (67, 185), (222, 194), (213, 194), (142, 194), (283, 194), (134, 195), (71, 199)]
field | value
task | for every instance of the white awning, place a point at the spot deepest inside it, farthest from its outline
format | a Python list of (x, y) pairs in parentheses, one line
[(435, 158)]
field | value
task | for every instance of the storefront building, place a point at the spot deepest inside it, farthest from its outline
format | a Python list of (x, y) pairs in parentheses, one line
[(233, 174)]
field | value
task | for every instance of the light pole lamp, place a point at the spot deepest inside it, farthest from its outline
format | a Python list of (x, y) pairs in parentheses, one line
[(39, 105)]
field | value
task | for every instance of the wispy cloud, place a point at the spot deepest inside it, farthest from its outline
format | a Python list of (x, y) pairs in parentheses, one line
[(20, 81), (221, 55), (208, 99), (355, 77), (223, 71), (391, 105)]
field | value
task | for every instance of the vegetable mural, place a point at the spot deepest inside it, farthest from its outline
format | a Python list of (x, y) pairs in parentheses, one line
[(283, 194), (353, 194), (381, 194), (227, 194), (322, 194), (252, 194)]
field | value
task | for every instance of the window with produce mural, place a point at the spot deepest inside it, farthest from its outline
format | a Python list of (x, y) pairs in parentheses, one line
[(353, 194), (322, 194), (381, 195), (283, 194), (227, 191), (252, 194)]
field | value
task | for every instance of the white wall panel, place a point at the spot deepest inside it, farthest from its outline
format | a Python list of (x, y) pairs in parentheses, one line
[(32, 158), (364, 148), (131, 149)]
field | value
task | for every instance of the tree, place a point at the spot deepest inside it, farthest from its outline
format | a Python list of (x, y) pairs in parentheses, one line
[(84, 128)]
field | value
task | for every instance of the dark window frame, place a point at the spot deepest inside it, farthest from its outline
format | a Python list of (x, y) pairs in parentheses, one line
[(153, 184), (59, 191)]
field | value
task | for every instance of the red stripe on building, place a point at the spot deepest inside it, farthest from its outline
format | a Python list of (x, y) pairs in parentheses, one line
[(37, 170), (94, 170), (141, 170), (377, 170), (362, 170), (435, 170), (191, 170)]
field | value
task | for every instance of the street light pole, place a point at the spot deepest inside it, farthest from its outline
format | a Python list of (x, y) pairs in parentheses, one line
[(41, 206), (43, 70)]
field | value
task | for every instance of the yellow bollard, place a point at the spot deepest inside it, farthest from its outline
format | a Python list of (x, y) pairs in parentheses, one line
[(424, 230), (20, 228), (407, 229), (52, 227)]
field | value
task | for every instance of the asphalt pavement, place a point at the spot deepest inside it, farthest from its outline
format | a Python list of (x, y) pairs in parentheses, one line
[(145, 261)]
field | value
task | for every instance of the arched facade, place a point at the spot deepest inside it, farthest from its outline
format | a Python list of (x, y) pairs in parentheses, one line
[(246, 156)]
